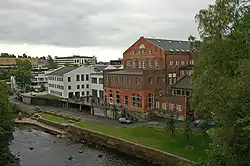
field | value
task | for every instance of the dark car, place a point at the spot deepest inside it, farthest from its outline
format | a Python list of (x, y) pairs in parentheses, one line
[(202, 123)]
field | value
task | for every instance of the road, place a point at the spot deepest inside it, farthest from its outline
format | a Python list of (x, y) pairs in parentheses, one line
[(85, 116)]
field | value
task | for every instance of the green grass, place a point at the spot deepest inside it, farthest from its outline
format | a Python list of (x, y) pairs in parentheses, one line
[(49, 96), (54, 118), (157, 138)]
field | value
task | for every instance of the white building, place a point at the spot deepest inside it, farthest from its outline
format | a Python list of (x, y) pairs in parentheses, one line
[(97, 84), (76, 60), (67, 82)]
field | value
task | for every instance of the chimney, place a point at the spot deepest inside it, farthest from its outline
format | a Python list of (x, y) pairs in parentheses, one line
[(142, 37)]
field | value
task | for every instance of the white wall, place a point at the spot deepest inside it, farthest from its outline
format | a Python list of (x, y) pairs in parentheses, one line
[(74, 83), (55, 90), (99, 85)]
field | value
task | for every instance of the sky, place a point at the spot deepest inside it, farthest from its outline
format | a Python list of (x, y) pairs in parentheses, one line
[(104, 28)]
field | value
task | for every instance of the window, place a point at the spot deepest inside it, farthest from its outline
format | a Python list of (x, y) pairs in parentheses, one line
[(133, 52), (87, 85), (179, 108), (69, 87), (150, 63), (157, 63), (111, 97), (77, 77), (150, 101), (150, 80), (69, 79), (182, 63), (82, 86), (144, 64), (191, 62), (87, 77), (87, 92), (151, 51), (136, 101), (82, 77), (182, 72), (178, 92), (142, 51), (140, 64), (118, 101), (137, 80), (171, 63), (171, 107), (128, 63), (187, 93), (177, 63), (158, 80), (94, 80), (100, 80), (134, 64), (164, 106), (78, 86), (171, 78), (157, 105), (125, 100)]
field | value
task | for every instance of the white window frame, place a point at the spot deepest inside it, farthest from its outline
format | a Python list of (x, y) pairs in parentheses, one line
[(140, 64), (177, 62), (128, 63), (182, 62), (150, 63), (164, 106), (157, 105), (157, 63), (171, 63), (144, 64)]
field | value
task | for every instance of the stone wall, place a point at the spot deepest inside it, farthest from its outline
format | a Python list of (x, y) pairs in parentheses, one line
[(53, 124), (74, 118), (146, 153)]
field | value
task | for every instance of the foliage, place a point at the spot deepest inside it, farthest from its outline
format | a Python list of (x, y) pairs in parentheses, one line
[(22, 73), (6, 126), (188, 130), (7, 55), (170, 124), (51, 63), (55, 118), (43, 88), (221, 79)]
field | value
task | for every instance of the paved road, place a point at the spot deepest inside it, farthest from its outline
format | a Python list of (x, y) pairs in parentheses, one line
[(87, 117)]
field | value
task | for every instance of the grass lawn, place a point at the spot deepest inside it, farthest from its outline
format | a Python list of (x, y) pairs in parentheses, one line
[(49, 96), (54, 118), (157, 138)]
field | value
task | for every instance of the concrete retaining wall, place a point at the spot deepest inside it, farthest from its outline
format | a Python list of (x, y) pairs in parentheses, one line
[(146, 153)]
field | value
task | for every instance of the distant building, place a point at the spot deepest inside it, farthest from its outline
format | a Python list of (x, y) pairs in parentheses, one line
[(76, 60)]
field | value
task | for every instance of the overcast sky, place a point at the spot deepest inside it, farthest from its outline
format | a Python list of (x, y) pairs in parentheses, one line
[(104, 28)]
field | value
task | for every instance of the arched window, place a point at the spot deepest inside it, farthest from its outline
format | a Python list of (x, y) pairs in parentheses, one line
[(136, 101), (118, 100), (150, 101), (111, 97)]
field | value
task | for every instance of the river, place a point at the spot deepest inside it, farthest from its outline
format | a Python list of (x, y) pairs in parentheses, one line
[(37, 148)]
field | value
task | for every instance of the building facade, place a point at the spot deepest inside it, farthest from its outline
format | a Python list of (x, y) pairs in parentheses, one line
[(150, 66), (76, 60), (70, 82)]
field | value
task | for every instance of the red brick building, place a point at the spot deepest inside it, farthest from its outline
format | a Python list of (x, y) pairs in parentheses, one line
[(150, 66)]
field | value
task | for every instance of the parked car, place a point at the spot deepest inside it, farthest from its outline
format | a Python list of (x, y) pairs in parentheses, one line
[(124, 121), (201, 123), (33, 94)]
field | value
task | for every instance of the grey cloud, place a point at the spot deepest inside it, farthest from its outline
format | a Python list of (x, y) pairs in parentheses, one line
[(79, 23)]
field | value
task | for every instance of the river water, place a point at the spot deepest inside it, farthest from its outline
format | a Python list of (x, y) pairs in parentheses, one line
[(37, 148)]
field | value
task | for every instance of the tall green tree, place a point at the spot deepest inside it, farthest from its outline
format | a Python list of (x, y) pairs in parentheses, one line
[(221, 79), (6, 126), (22, 73), (51, 63)]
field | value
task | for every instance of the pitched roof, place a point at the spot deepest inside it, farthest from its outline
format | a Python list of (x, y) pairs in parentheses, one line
[(171, 45), (127, 72), (62, 71), (99, 67), (188, 67), (183, 83)]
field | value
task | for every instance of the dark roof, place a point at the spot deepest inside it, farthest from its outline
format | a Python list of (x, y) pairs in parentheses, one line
[(183, 83), (171, 45), (62, 71), (127, 72), (188, 67), (99, 67)]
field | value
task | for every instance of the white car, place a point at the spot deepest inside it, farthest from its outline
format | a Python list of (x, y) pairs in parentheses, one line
[(33, 94), (124, 121)]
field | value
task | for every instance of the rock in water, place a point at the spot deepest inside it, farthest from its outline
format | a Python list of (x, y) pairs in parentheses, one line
[(100, 155), (80, 151), (70, 158), (31, 148)]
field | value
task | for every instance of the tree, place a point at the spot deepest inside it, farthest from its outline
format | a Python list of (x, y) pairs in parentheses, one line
[(22, 73), (6, 126), (170, 123), (188, 130), (221, 78), (25, 56), (51, 63)]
